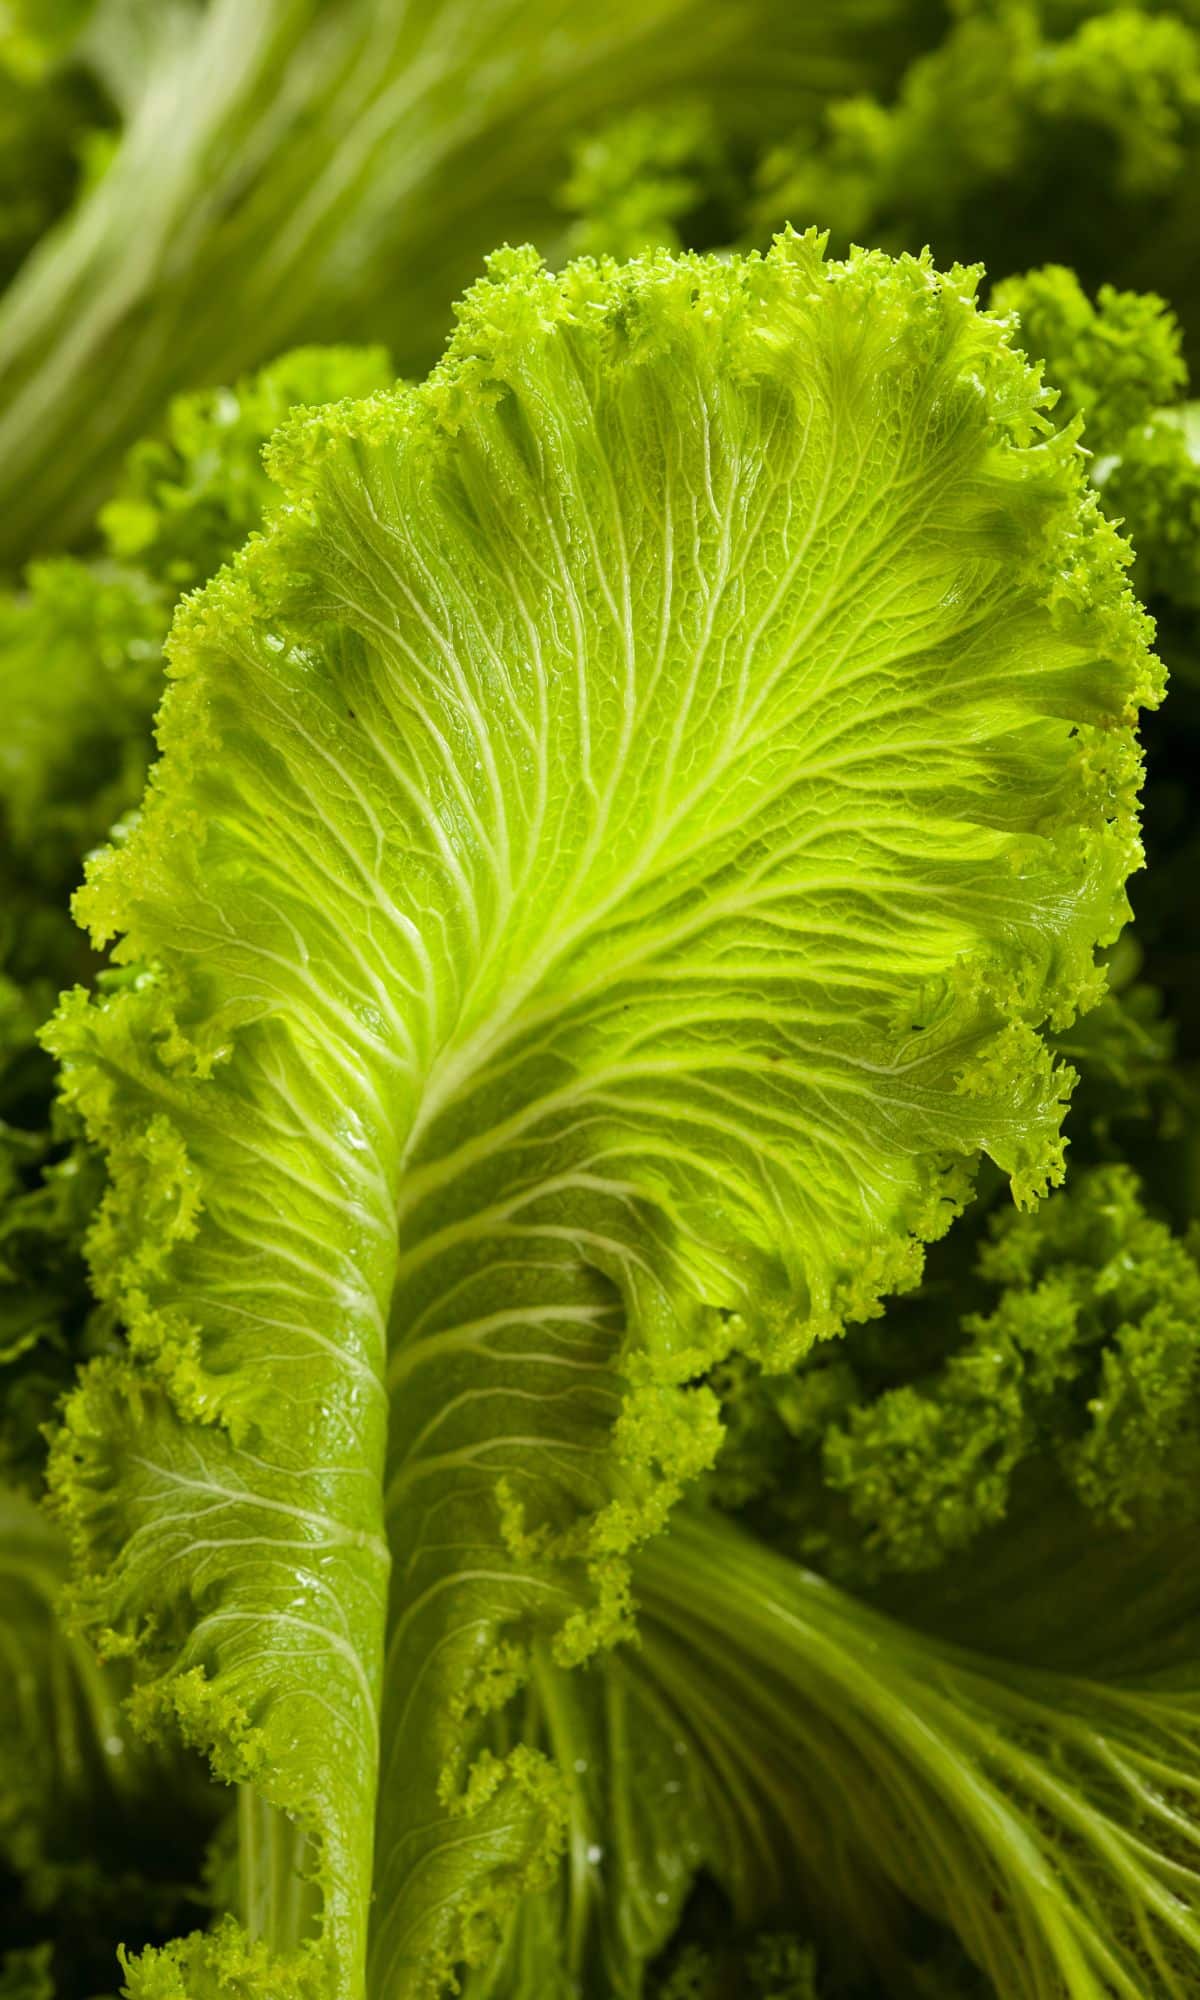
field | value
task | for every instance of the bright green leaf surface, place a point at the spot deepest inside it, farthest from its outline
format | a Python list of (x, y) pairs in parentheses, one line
[(82, 672), (618, 836)]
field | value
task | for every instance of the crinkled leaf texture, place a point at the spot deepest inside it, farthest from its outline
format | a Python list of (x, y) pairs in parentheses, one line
[(617, 837)]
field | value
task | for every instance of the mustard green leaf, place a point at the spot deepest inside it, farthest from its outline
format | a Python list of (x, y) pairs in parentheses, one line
[(620, 833)]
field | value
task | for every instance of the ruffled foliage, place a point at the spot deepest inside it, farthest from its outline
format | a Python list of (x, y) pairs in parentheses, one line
[(1088, 1360), (626, 871), (81, 646), (647, 597)]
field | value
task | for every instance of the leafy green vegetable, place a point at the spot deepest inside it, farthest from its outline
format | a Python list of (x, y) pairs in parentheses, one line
[(620, 834), (1113, 362), (1039, 130), (1051, 1820), (82, 651), (81, 645), (836, 1758), (482, 1176), (48, 1191), (82, 642), (1089, 1360), (1118, 366), (648, 180), (186, 501)]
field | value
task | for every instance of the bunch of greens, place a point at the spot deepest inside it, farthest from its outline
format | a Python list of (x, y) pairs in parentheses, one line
[(599, 1201)]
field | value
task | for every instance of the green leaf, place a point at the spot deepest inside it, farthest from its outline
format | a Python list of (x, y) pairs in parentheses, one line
[(81, 642), (81, 648), (186, 501), (638, 1826), (81, 662), (219, 1965), (1091, 1357), (618, 836), (1113, 363), (60, 1735), (638, 182), (993, 107), (1051, 1821)]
